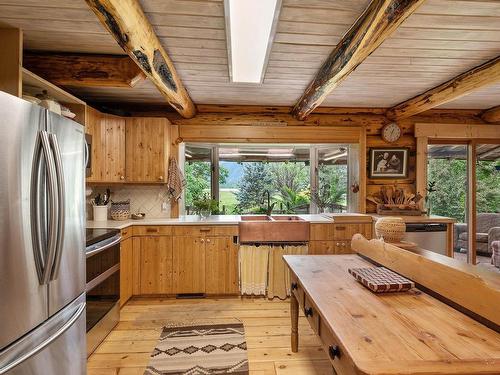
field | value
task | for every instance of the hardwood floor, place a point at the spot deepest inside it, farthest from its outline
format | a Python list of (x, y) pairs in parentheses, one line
[(127, 349)]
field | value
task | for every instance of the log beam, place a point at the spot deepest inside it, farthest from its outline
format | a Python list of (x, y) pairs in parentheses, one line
[(380, 19), (84, 70), (127, 23), (491, 115), (476, 78)]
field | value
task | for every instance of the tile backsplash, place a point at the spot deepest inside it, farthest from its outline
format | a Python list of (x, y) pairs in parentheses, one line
[(146, 199)]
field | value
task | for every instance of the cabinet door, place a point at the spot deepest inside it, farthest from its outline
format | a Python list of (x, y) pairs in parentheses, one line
[(321, 247), (126, 270), (156, 265), (342, 247), (107, 148), (221, 263), (114, 154), (147, 148), (188, 264)]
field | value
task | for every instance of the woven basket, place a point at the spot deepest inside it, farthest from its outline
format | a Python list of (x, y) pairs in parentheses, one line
[(391, 228), (120, 210)]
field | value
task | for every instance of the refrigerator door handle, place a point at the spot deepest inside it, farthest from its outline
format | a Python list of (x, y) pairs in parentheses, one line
[(60, 204), (22, 350), (53, 206), (36, 221)]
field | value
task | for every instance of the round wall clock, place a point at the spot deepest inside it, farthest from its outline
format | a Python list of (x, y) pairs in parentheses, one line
[(391, 132)]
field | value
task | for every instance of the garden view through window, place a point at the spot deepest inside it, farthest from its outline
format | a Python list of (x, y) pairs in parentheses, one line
[(447, 176), (258, 178)]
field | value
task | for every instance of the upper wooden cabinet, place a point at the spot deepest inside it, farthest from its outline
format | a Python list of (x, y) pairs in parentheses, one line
[(107, 147), (128, 150), (147, 149)]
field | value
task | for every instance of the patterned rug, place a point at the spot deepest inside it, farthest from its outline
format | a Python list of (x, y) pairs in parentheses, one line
[(199, 350)]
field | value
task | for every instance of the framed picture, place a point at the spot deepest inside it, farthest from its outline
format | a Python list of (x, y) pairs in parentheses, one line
[(388, 162)]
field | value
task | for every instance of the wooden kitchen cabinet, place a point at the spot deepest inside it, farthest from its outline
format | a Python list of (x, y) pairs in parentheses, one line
[(126, 270), (155, 276), (221, 265), (188, 264), (321, 247), (334, 238), (147, 146), (107, 147)]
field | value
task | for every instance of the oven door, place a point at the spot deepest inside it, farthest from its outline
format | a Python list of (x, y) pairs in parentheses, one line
[(103, 283)]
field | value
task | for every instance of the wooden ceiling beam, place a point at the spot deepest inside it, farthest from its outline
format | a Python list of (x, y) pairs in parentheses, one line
[(476, 78), (127, 23), (491, 115), (84, 70), (379, 20)]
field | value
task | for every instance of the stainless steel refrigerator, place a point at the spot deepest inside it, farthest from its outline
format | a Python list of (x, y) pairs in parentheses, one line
[(42, 241)]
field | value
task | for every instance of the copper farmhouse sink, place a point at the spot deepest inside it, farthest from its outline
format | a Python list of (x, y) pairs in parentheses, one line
[(262, 228)]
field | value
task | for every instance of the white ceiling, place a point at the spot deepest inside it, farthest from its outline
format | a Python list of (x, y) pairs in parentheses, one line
[(441, 40)]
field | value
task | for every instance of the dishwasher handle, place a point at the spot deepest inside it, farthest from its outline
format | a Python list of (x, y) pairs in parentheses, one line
[(426, 227)]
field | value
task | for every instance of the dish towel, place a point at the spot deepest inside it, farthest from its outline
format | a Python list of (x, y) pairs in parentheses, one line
[(176, 181), (279, 274), (253, 269)]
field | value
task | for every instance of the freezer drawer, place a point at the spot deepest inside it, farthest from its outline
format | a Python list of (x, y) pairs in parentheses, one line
[(57, 347)]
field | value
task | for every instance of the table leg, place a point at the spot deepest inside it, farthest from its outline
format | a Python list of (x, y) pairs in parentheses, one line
[(294, 313)]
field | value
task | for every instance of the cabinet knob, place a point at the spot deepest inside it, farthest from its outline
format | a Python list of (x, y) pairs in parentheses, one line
[(308, 311), (160, 178), (202, 240), (343, 243), (294, 286), (334, 351), (208, 240), (122, 177), (338, 243)]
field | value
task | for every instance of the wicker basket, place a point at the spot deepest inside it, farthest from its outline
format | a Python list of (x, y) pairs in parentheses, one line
[(391, 228), (120, 210)]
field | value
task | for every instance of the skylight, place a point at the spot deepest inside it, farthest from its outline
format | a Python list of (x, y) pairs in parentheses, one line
[(250, 28)]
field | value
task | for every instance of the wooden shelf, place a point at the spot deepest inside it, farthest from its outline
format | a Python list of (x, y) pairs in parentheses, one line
[(31, 80), (33, 84)]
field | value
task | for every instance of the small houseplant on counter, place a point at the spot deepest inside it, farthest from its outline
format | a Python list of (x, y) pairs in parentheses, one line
[(100, 206), (431, 188), (206, 206)]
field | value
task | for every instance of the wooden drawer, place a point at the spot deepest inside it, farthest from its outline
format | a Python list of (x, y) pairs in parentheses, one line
[(126, 233), (311, 314), (321, 232), (205, 230), (339, 360), (346, 231), (152, 230), (297, 290)]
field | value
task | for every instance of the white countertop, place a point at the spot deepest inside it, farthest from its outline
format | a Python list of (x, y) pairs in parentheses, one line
[(191, 220)]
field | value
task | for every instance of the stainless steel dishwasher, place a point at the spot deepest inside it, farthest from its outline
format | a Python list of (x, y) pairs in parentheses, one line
[(429, 236)]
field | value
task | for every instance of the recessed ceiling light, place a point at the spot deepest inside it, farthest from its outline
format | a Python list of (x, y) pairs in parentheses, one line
[(250, 29)]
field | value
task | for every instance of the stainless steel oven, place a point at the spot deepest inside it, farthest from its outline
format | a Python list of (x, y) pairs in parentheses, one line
[(103, 284)]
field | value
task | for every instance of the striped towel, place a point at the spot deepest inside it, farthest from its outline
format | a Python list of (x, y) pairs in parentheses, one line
[(176, 182)]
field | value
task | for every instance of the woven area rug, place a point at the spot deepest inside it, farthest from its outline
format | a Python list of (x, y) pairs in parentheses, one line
[(199, 350)]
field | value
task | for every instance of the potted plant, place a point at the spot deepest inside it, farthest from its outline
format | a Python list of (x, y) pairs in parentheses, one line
[(431, 188), (205, 206)]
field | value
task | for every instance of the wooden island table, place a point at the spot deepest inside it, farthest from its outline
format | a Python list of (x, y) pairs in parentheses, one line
[(394, 333)]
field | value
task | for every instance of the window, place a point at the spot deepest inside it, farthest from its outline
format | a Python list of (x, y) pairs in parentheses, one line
[(297, 178)]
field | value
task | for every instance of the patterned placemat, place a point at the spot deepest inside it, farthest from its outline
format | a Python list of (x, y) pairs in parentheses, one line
[(381, 279)]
